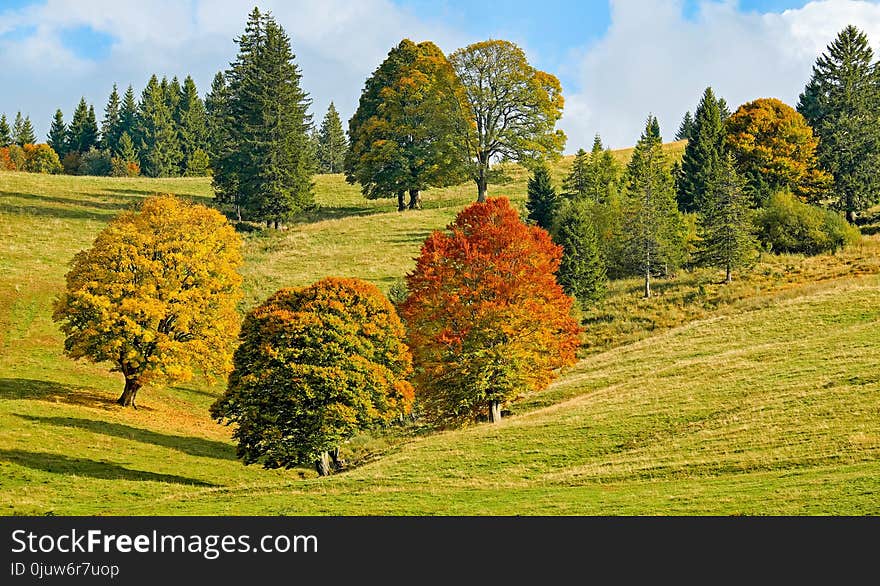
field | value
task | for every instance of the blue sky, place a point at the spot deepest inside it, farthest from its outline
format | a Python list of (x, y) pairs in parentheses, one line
[(617, 60)]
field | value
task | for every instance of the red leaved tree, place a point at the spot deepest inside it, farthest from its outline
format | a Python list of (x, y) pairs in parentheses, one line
[(486, 319)]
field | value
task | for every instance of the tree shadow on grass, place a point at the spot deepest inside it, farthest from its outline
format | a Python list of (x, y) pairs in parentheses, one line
[(410, 236), (71, 208), (194, 446), (40, 390), (58, 464)]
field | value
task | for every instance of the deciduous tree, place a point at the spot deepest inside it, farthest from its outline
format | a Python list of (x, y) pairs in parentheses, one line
[(155, 295), (315, 365), (486, 319)]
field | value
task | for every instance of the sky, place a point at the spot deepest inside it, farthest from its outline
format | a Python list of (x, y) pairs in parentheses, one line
[(618, 60)]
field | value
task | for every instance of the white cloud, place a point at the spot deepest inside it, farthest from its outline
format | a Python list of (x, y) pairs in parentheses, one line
[(653, 60)]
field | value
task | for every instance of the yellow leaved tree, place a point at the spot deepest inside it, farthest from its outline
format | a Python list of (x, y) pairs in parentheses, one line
[(155, 295)]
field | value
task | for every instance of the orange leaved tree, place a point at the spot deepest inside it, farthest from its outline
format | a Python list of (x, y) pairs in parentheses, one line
[(315, 365), (486, 319), (155, 295)]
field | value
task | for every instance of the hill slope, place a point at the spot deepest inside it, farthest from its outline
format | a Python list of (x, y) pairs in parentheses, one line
[(766, 400)]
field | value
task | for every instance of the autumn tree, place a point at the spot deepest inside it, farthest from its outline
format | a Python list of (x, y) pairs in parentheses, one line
[(543, 202), (404, 133), (582, 271), (155, 295), (512, 108), (652, 225), (332, 143), (702, 155), (775, 149), (486, 319), (726, 231), (842, 103), (57, 138), (40, 158), (314, 366)]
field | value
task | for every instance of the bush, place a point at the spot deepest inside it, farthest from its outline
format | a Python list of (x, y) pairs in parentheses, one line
[(788, 225), (6, 162), (41, 158), (119, 167), (71, 163), (96, 162), (16, 158)]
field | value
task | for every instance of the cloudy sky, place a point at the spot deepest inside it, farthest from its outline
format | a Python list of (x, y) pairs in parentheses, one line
[(618, 61)]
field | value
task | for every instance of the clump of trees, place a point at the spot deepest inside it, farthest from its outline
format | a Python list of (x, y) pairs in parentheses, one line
[(486, 319), (155, 295), (314, 366)]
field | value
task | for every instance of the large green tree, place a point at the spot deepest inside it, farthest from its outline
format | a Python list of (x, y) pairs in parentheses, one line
[(332, 143), (543, 202), (159, 146), (582, 272), (593, 176), (270, 164), (653, 229), (404, 133), (82, 134), (111, 127), (725, 226), (703, 153), (842, 103), (57, 138), (686, 128), (5, 132), (512, 108), (128, 112), (23, 131), (191, 123)]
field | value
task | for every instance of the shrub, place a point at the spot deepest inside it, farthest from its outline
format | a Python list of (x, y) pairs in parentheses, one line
[(96, 162), (788, 225), (17, 158), (119, 167), (41, 158), (71, 163), (6, 162)]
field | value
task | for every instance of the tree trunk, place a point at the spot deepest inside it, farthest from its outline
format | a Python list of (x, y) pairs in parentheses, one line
[(647, 284), (322, 464), (338, 463), (415, 199), (494, 411), (238, 211), (401, 201), (276, 224), (850, 216), (482, 186), (129, 393), (729, 278)]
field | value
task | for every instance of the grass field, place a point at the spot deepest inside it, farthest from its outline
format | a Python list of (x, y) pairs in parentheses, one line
[(758, 398)]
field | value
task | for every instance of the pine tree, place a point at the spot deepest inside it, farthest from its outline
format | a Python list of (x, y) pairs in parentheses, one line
[(575, 185), (92, 131), (128, 116), (111, 125), (173, 93), (727, 238), (542, 203), (25, 134), (192, 131), (5, 132), (686, 129), (582, 272), (82, 134), (270, 160), (842, 104), (702, 154), (652, 225), (17, 127), (57, 138), (126, 149), (159, 147), (332, 142)]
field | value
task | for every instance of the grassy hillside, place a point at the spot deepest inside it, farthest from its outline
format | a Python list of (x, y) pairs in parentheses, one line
[(762, 397)]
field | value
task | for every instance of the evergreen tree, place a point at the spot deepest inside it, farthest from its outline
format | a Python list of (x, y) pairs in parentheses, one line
[(582, 272), (173, 93), (57, 138), (216, 110), (82, 134), (723, 109), (17, 128), (159, 147), (128, 116), (5, 132), (270, 164), (542, 203), (686, 129), (111, 125), (652, 225), (192, 130), (332, 143), (126, 149), (575, 184), (593, 176), (702, 154), (25, 134), (727, 240), (842, 104), (92, 128)]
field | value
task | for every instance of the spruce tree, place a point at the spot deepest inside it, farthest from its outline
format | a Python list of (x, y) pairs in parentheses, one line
[(128, 116), (126, 149), (603, 172), (542, 203), (702, 154), (686, 128), (57, 138), (192, 131), (842, 104), (5, 132), (17, 127), (82, 133), (92, 132), (582, 272), (111, 125), (270, 161), (25, 134), (652, 225), (159, 147), (332, 143), (574, 185), (727, 238)]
